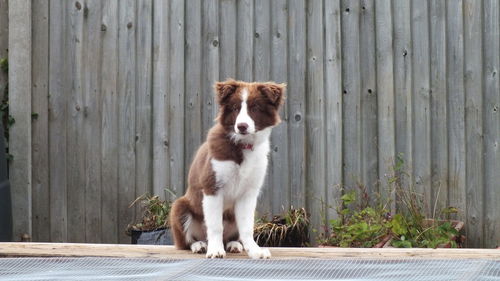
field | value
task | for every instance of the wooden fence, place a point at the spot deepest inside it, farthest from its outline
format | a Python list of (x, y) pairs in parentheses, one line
[(121, 93)]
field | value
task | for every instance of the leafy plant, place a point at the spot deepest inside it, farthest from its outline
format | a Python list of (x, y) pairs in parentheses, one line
[(291, 229), (363, 226), (410, 227), (154, 216)]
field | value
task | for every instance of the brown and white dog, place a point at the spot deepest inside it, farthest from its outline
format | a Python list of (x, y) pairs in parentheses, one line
[(227, 173)]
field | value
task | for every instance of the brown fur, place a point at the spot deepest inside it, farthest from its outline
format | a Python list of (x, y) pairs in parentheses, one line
[(263, 102)]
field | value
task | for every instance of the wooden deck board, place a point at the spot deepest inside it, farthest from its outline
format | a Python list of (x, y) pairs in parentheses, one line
[(148, 251)]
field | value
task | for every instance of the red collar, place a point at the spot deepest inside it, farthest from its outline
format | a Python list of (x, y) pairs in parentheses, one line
[(245, 146)]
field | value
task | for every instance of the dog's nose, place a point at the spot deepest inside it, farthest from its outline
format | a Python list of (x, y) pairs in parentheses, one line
[(242, 127)]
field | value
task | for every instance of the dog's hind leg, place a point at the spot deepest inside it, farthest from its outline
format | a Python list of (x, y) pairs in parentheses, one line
[(180, 214)]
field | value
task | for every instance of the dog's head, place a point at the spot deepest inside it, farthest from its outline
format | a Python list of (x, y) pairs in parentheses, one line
[(247, 108)]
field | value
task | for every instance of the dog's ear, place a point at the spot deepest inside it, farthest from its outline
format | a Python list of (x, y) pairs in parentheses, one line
[(274, 92), (223, 90)]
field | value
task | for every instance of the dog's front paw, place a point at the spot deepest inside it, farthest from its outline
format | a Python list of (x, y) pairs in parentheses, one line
[(199, 247), (234, 247), (259, 253), (216, 252)]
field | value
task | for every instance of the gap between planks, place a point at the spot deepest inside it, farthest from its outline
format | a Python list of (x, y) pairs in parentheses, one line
[(169, 252)]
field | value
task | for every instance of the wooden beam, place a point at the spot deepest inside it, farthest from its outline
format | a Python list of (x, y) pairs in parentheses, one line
[(20, 109), (150, 251)]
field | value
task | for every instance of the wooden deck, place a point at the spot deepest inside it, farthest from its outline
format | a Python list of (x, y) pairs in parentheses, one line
[(146, 251)]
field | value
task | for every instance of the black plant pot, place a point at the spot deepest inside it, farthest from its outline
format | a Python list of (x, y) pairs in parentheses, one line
[(5, 201), (154, 237)]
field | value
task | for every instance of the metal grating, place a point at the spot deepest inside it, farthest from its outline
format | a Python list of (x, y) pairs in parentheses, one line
[(98, 268)]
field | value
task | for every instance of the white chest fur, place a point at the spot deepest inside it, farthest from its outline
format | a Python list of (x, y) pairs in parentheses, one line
[(235, 180)]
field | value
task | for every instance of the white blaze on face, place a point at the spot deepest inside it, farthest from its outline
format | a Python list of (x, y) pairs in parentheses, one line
[(243, 116)]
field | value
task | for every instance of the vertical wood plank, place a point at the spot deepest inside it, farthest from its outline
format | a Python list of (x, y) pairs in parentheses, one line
[(368, 95), (244, 43), (57, 122), (40, 124), (143, 99), (20, 108), (193, 68), (385, 101), (176, 75), (92, 54), (352, 93), (74, 125), (456, 104), (296, 99), (279, 171), (473, 121), (421, 102), (315, 109), (491, 122), (210, 57), (262, 72), (227, 36), (403, 89), (4, 40), (439, 136), (333, 107), (126, 114), (109, 122), (161, 92)]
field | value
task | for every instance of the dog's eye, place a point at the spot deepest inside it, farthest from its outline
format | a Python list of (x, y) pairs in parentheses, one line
[(235, 108)]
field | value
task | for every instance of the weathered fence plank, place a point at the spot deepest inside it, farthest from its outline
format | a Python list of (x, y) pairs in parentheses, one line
[(109, 123), (227, 39), (473, 120), (57, 122), (176, 94), (210, 61), (127, 26), (351, 69), (20, 45), (439, 135), (4, 40), (403, 90), (161, 93), (193, 74), (296, 100), (333, 107), (315, 108), (385, 102), (262, 72), (491, 115), (40, 123), (279, 173), (143, 143), (368, 176), (92, 54), (456, 104), (421, 102), (244, 40), (75, 168)]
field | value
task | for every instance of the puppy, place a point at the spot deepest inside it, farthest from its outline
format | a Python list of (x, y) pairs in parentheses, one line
[(217, 212)]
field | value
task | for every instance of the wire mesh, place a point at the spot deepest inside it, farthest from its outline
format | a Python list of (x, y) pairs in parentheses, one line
[(98, 268)]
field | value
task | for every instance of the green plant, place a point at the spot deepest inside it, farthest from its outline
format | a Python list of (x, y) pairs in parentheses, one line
[(361, 226), (291, 229), (410, 227), (154, 216), (423, 234)]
